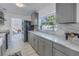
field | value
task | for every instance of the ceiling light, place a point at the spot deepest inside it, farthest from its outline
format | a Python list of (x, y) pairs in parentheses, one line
[(19, 4)]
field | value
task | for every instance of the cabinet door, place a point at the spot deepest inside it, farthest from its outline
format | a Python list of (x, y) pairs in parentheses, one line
[(41, 47), (45, 47), (33, 41), (57, 52), (67, 51), (29, 39), (36, 43), (66, 12), (48, 48)]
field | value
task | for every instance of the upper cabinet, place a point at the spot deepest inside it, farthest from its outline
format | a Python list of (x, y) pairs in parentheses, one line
[(1, 17), (66, 12), (34, 18)]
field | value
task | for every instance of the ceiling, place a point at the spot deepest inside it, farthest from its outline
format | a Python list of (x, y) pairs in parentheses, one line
[(26, 10)]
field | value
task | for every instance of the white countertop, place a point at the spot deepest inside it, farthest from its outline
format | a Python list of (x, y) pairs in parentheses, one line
[(58, 39)]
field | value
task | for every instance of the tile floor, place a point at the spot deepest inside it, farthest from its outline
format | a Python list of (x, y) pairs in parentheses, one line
[(16, 44)]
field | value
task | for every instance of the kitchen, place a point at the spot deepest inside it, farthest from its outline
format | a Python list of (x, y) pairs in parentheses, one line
[(53, 28)]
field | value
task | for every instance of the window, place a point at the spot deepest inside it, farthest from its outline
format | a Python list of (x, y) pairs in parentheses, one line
[(48, 23)]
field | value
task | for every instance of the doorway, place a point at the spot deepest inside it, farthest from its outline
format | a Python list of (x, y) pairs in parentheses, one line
[(16, 33)]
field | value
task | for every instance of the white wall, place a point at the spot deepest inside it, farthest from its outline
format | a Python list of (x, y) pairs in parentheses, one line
[(9, 15)]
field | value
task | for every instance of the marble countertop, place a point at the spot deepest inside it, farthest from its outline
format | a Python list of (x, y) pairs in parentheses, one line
[(58, 39)]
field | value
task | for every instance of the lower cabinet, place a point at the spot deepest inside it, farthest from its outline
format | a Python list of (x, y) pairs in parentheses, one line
[(48, 48), (57, 52), (35, 42), (45, 47), (41, 47), (65, 50), (29, 37)]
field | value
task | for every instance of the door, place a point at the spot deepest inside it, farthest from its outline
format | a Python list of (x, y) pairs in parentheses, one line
[(16, 32)]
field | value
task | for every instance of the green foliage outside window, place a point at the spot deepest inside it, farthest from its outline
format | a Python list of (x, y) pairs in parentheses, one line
[(50, 21)]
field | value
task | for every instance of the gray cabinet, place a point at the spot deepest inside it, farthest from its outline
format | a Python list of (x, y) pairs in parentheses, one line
[(41, 47), (35, 42), (65, 50), (29, 37), (57, 52), (48, 48), (66, 12), (45, 47)]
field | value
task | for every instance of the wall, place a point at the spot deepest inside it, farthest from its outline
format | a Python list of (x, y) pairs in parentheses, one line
[(8, 17)]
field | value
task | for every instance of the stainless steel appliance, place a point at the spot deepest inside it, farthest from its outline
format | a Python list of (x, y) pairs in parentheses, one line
[(26, 27)]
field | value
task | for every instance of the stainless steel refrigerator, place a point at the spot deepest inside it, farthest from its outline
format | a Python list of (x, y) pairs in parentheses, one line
[(26, 26)]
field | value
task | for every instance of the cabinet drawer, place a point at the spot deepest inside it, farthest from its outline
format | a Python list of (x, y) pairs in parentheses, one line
[(65, 50), (57, 53)]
